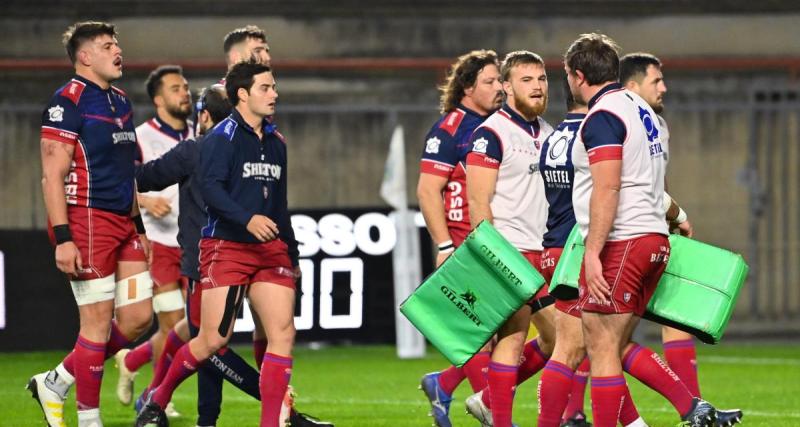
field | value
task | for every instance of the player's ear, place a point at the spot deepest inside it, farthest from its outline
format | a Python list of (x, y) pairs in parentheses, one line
[(83, 57), (468, 91), (243, 94), (507, 88)]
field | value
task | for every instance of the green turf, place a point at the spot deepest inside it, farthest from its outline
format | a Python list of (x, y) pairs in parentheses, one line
[(368, 386)]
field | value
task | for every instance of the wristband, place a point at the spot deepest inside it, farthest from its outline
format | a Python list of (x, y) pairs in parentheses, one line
[(446, 246), (62, 233), (682, 217), (137, 221)]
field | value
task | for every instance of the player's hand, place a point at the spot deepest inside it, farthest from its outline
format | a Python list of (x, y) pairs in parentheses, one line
[(263, 228), (147, 248), (68, 258), (685, 228), (595, 282), (158, 206), (441, 257)]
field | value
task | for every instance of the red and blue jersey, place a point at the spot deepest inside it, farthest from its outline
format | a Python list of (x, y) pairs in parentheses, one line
[(446, 148), (555, 165), (242, 175), (99, 124)]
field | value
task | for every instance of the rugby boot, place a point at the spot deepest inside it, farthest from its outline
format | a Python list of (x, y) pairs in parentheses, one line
[(702, 414), (126, 377), (578, 419), (439, 400), (729, 417), (45, 389)]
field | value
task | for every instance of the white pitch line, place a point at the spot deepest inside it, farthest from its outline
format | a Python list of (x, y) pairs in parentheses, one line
[(421, 403), (734, 360)]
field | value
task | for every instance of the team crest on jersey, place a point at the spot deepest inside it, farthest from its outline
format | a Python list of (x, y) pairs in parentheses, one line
[(626, 296), (432, 145), (118, 121), (56, 113), (649, 124), (480, 145), (557, 150)]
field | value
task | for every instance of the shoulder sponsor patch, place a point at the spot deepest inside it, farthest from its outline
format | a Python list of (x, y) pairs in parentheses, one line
[(432, 145), (56, 113), (480, 145)]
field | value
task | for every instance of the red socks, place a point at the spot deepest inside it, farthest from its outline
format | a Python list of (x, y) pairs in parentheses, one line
[(608, 396), (554, 389), (502, 384), (475, 369), (682, 359), (116, 342), (628, 412), (139, 356), (259, 348), (275, 374), (648, 368), (578, 391), (88, 358), (533, 360), (450, 378), (184, 364), (171, 346)]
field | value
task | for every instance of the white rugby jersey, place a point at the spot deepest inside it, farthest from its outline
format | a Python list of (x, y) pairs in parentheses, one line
[(621, 126), (509, 143), (156, 138)]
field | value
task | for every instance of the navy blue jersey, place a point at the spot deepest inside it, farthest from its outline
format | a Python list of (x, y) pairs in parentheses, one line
[(242, 176), (555, 164), (99, 124), (446, 148)]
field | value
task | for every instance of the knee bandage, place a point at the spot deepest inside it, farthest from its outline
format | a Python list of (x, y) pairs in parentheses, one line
[(93, 290), (168, 301), (133, 289)]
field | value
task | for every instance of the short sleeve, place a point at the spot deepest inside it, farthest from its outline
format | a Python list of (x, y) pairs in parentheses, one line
[(485, 149), (603, 134), (440, 155), (61, 121)]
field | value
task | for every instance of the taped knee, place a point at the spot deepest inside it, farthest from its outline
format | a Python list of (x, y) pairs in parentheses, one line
[(93, 290), (133, 289), (168, 301)]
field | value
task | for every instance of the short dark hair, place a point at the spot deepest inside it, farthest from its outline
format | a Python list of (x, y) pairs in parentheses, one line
[(241, 77), (518, 57), (463, 74), (241, 34), (80, 32), (634, 66), (214, 100), (154, 80), (596, 56)]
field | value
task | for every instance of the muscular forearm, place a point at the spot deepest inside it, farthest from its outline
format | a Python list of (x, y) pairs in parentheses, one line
[(602, 211), (479, 210), (432, 207), (55, 200)]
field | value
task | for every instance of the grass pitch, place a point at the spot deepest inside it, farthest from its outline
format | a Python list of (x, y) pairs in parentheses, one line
[(369, 386)]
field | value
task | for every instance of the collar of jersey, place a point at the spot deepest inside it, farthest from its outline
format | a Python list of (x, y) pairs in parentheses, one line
[(468, 111), (266, 125), (575, 116), (91, 83), (167, 129), (532, 127), (607, 88)]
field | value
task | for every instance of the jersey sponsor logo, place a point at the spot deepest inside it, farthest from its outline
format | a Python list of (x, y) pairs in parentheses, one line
[(480, 145), (556, 176), (56, 113), (533, 168), (557, 150), (126, 137), (649, 124), (265, 170), (432, 145)]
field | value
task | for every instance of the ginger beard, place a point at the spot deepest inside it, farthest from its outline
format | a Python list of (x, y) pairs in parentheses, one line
[(529, 105)]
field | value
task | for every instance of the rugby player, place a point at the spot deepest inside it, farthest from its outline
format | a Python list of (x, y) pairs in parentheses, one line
[(89, 152), (471, 92)]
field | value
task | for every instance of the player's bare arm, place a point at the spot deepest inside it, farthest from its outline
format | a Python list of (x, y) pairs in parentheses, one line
[(606, 182), (481, 183), (263, 228), (677, 218), (56, 160), (431, 203)]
